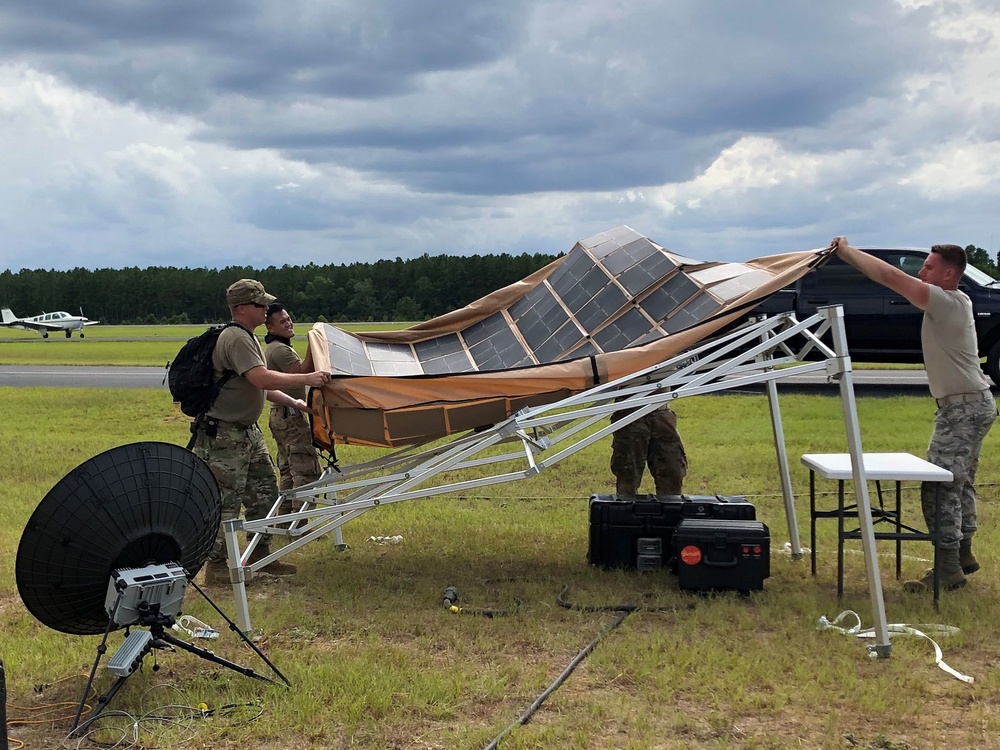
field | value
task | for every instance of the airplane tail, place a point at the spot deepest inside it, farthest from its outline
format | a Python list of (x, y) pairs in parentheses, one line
[(7, 316)]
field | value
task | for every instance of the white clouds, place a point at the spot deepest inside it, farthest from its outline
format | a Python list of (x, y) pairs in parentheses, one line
[(346, 133), (958, 169)]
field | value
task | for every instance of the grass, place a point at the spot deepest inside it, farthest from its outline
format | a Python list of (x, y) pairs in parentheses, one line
[(376, 661), (139, 346)]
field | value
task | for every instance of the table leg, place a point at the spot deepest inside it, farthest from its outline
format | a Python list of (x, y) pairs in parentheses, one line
[(812, 518), (840, 539), (934, 540), (899, 530)]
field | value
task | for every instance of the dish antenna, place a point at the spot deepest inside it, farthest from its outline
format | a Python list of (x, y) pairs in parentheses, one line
[(114, 544)]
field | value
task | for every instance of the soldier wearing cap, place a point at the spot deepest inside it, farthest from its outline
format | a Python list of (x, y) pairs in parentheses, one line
[(229, 439)]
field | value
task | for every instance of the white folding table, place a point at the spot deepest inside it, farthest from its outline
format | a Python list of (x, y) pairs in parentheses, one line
[(878, 467)]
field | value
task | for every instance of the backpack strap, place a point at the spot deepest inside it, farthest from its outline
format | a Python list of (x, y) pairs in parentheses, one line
[(216, 386)]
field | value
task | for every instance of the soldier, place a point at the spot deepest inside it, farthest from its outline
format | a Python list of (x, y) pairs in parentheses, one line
[(965, 406), (298, 463), (653, 440), (228, 438)]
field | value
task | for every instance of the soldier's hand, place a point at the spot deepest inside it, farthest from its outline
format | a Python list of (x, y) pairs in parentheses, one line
[(317, 379)]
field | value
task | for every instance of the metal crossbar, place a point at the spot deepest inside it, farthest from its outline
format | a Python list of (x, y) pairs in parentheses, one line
[(762, 351)]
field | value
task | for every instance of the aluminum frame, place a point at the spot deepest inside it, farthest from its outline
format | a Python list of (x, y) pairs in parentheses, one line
[(763, 351)]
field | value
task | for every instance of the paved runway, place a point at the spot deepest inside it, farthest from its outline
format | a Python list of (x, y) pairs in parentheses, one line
[(82, 377), (867, 382)]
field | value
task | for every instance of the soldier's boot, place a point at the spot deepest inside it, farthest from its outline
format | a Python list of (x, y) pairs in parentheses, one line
[(276, 568), (625, 488), (217, 573), (966, 559), (951, 577)]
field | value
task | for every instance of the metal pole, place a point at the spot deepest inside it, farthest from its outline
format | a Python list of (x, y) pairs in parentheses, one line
[(232, 528), (882, 648), (782, 454), (786, 477)]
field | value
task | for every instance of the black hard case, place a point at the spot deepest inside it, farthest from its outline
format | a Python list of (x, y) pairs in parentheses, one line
[(635, 531), (731, 555)]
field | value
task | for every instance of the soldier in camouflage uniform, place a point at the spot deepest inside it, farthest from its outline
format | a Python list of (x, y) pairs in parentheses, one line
[(965, 406), (653, 440), (228, 438), (298, 463)]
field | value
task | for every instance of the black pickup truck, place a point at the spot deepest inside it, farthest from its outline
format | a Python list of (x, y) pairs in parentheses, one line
[(881, 325)]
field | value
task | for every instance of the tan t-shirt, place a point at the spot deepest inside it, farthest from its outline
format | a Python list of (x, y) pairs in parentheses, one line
[(281, 357), (948, 339), (239, 401)]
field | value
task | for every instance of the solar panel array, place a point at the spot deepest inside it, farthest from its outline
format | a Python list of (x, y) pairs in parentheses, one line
[(611, 291)]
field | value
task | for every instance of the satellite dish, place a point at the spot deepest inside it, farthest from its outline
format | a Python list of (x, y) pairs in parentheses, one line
[(135, 505)]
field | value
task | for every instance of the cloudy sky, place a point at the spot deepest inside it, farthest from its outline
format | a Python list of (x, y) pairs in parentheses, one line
[(259, 132)]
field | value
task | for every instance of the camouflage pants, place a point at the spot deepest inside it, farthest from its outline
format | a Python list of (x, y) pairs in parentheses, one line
[(651, 440), (959, 430), (298, 463), (242, 466)]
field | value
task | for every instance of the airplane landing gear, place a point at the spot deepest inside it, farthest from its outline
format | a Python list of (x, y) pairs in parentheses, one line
[(81, 334), (45, 335), (69, 334)]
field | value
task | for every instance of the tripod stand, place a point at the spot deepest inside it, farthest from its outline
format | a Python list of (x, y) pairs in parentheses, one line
[(138, 643)]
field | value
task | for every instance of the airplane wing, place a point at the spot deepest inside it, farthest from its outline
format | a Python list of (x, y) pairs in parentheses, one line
[(615, 304), (34, 325)]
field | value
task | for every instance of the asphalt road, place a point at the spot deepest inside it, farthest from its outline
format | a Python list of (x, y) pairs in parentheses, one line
[(866, 382), (82, 377)]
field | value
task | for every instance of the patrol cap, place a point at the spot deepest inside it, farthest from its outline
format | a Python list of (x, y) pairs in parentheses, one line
[(248, 292)]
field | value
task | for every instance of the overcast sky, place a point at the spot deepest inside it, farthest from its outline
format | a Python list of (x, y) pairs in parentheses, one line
[(258, 132)]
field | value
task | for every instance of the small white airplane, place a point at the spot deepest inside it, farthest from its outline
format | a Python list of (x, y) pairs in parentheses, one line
[(47, 322)]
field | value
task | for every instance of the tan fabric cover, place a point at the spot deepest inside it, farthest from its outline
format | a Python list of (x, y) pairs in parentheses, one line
[(401, 410)]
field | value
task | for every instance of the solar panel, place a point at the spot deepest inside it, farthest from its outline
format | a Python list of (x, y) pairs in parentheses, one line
[(614, 290), (616, 294)]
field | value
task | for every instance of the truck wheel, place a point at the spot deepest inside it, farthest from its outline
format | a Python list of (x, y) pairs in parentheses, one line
[(993, 363)]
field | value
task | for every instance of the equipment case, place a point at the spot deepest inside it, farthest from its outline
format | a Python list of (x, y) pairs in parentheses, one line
[(636, 531), (722, 555)]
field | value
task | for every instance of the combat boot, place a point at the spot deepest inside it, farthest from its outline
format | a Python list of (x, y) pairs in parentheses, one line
[(217, 573), (276, 568), (967, 560), (951, 577)]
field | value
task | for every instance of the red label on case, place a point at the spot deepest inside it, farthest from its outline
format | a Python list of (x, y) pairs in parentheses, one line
[(691, 555)]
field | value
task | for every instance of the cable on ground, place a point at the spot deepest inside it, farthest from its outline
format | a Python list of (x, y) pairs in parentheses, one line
[(624, 609), (897, 629)]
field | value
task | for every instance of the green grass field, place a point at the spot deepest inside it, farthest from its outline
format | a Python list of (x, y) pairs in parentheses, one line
[(145, 346), (376, 661)]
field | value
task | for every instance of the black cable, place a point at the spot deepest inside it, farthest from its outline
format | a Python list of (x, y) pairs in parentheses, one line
[(526, 716), (451, 597), (624, 609), (615, 607)]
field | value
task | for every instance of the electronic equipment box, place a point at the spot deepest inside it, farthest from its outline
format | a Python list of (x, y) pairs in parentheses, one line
[(636, 531), (721, 554)]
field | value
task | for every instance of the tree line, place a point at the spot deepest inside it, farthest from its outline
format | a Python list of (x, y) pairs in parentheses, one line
[(981, 260), (386, 290)]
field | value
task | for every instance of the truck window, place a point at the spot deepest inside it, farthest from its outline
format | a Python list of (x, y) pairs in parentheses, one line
[(911, 264), (835, 278)]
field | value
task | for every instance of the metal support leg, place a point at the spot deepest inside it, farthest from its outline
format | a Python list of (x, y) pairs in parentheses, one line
[(786, 477), (237, 573), (882, 647)]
